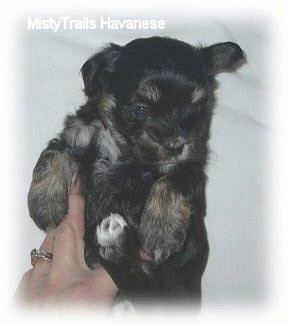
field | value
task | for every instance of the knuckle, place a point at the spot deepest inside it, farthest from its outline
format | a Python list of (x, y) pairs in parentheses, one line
[(26, 276), (66, 227)]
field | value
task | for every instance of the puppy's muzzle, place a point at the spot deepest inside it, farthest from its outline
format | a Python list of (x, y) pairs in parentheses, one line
[(174, 146)]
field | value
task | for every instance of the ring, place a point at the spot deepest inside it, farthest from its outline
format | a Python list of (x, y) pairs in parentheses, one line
[(38, 254)]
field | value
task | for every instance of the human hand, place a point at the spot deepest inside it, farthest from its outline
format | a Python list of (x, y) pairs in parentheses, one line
[(66, 280)]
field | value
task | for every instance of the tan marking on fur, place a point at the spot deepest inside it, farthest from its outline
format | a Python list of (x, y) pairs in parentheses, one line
[(197, 94), (166, 168), (185, 208), (59, 168), (107, 145), (48, 194), (78, 133), (162, 198), (147, 138), (163, 226), (157, 195), (106, 105), (150, 93), (153, 144)]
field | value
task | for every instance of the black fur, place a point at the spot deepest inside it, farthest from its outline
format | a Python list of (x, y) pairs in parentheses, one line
[(139, 147)]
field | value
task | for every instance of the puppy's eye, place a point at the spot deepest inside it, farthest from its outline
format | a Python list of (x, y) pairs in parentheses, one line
[(141, 111)]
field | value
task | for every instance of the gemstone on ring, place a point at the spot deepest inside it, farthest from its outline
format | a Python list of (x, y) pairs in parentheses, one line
[(37, 254)]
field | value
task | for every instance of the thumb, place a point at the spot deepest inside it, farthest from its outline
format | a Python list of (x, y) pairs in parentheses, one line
[(76, 208)]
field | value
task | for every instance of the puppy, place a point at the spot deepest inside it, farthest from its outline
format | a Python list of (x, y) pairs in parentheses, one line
[(139, 148)]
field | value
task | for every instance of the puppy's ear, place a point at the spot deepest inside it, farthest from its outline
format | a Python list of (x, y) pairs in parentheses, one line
[(95, 72), (223, 57)]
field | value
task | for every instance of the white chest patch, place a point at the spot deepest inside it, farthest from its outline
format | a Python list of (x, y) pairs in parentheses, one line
[(107, 145)]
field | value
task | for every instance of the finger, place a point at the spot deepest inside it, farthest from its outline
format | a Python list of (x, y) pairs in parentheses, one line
[(42, 266), (75, 214), (21, 291), (69, 248), (68, 241), (75, 199), (48, 242)]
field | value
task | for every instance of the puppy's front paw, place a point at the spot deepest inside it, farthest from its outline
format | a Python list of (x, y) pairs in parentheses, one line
[(164, 223), (48, 194), (111, 237)]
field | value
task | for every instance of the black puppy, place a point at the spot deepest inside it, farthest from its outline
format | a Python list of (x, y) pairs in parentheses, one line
[(139, 148)]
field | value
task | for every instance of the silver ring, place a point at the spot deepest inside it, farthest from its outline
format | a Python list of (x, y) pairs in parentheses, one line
[(38, 254)]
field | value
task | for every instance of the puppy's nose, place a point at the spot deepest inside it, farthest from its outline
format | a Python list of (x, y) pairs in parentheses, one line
[(174, 146)]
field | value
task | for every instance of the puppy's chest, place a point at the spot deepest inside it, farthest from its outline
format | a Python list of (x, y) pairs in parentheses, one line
[(121, 187), (123, 177), (120, 184)]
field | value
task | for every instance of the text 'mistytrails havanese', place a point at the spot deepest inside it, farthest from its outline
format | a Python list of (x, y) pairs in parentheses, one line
[(139, 148)]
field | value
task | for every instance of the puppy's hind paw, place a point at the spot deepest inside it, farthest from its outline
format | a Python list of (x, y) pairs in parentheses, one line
[(110, 229), (111, 236)]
